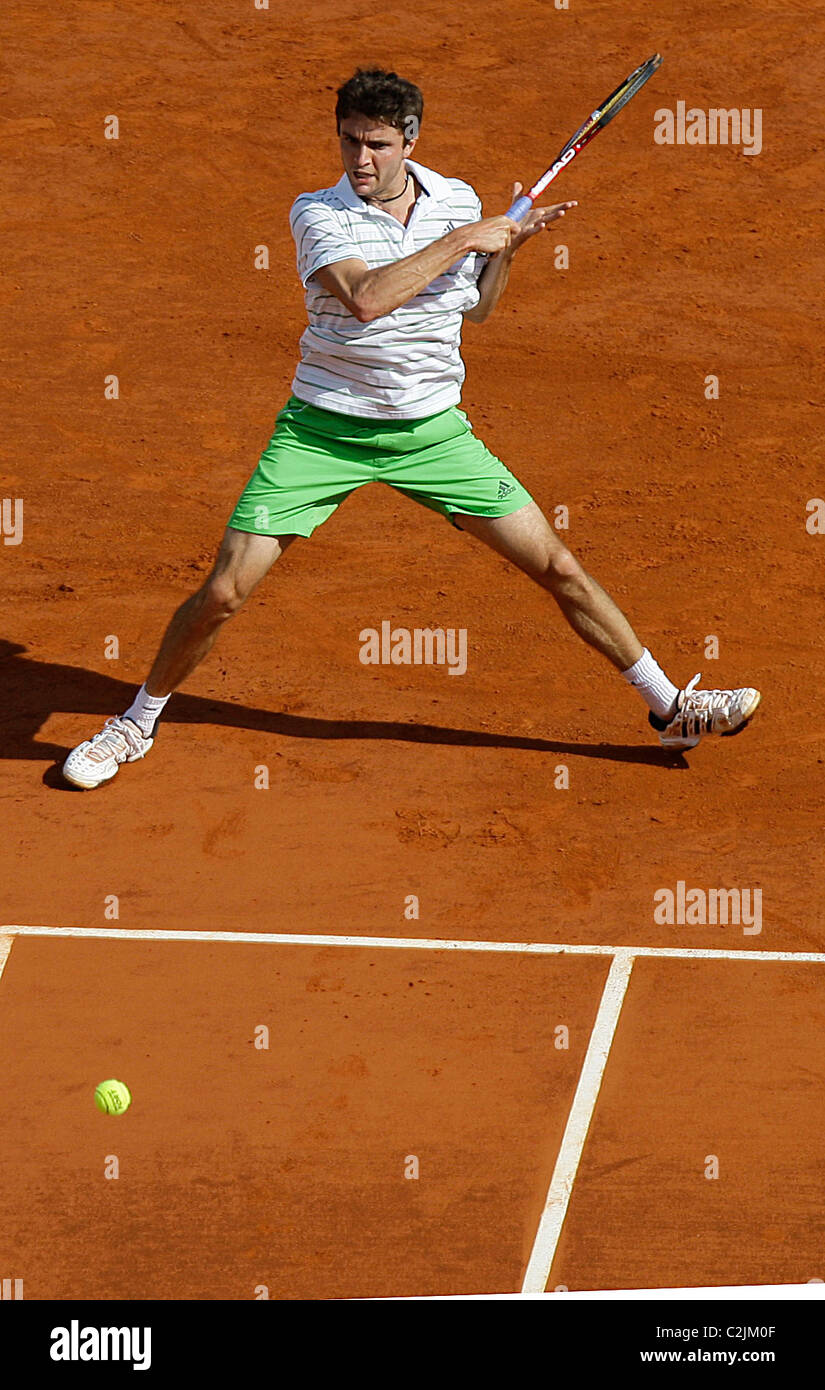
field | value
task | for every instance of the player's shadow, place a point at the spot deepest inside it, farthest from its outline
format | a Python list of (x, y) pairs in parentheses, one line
[(34, 690)]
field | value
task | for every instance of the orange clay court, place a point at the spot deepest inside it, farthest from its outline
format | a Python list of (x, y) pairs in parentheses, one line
[(435, 1086)]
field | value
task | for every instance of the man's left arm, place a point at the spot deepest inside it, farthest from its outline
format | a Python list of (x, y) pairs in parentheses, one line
[(493, 279)]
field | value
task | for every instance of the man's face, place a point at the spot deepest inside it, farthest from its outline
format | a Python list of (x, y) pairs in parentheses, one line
[(373, 156)]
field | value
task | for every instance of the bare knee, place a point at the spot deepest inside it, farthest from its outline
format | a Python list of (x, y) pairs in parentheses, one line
[(562, 573), (242, 562), (220, 598)]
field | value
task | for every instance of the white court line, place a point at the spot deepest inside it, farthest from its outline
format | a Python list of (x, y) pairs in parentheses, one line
[(584, 1101), (413, 943), (5, 948), (578, 1123)]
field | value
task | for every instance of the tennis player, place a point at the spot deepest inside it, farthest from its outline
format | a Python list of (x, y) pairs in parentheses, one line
[(393, 258)]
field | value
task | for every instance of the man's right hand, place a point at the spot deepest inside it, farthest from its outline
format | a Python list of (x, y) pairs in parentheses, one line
[(489, 236)]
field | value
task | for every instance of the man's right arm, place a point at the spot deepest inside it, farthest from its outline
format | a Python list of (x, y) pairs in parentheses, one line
[(370, 294)]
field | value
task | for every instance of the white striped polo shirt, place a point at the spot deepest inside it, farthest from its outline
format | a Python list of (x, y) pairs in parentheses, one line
[(404, 365)]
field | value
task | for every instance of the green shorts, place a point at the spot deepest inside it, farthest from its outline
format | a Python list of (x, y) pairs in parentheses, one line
[(316, 458)]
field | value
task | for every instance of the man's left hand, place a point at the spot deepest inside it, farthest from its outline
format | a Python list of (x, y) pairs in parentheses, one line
[(537, 220)]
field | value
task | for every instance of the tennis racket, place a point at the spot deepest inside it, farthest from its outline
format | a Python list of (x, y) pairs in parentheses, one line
[(595, 122)]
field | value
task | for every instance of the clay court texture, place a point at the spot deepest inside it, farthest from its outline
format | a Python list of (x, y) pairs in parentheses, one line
[(639, 1103)]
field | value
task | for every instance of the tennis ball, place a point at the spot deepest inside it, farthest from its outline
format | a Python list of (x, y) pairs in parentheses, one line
[(112, 1097)]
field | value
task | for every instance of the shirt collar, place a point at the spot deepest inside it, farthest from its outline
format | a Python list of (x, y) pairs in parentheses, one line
[(433, 184)]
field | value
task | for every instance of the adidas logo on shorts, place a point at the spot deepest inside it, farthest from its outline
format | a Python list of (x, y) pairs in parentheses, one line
[(504, 489)]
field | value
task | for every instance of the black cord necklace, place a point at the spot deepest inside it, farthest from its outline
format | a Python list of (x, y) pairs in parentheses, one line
[(394, 197)]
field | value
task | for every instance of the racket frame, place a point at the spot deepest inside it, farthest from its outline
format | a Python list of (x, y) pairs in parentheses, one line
[(596, 121)]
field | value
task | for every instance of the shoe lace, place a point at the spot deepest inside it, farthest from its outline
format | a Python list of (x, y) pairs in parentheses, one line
[(698, 707), (703, 701), (111, 738)]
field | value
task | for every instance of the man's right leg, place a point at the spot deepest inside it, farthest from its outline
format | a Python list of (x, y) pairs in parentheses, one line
[(243, 560)]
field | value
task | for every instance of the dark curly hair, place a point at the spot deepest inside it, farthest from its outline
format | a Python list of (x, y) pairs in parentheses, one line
[(384, 97)]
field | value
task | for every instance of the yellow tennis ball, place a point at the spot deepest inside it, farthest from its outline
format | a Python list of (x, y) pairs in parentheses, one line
[(112, 1097)]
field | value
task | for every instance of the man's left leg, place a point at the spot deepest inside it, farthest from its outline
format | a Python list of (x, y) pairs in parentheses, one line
[(527, 540)]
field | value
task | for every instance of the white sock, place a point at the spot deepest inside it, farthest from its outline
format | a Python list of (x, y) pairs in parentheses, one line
[(145, 709), (652, 684)]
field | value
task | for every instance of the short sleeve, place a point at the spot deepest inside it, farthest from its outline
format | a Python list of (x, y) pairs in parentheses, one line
[(468, 209), (320, 237), (466, 203), (475, 263)]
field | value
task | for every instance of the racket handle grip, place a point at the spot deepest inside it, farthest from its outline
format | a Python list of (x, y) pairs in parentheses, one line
[(519, 208)]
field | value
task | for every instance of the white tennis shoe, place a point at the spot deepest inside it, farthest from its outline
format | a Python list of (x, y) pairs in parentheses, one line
[(98, 759), (700, 712)]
